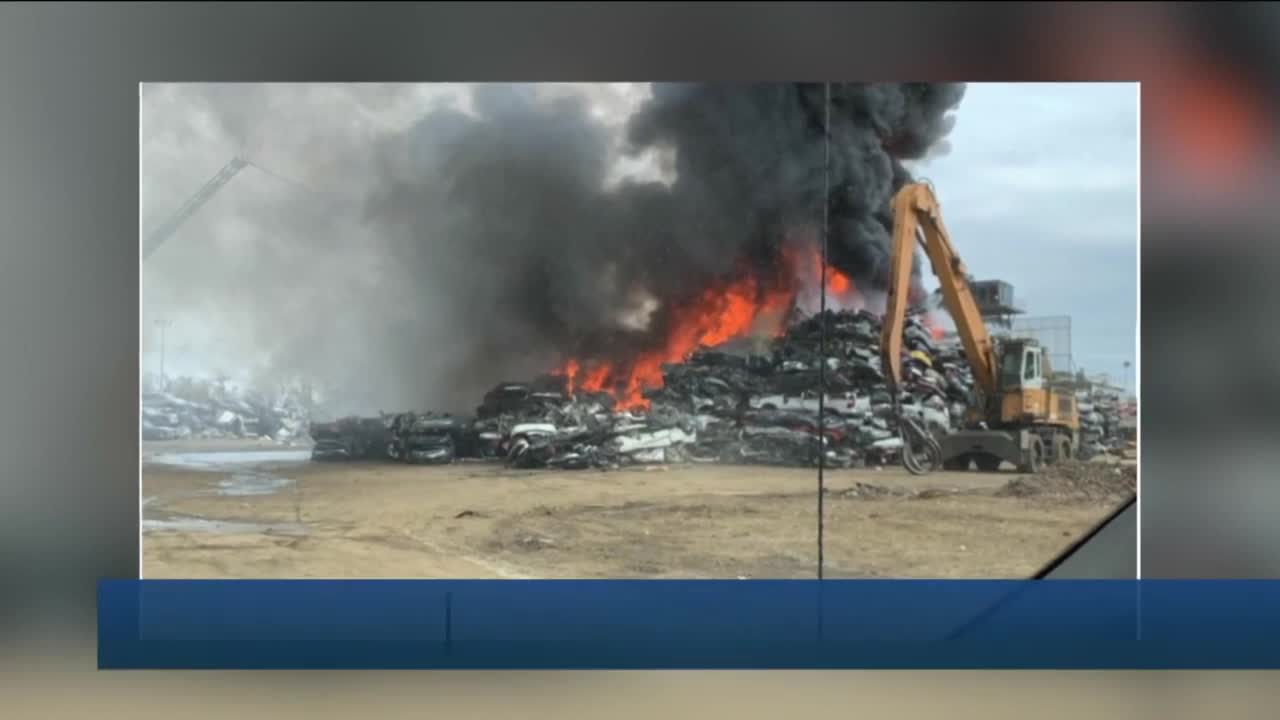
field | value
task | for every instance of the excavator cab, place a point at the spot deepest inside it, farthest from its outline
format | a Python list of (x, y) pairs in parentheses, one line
[(1026, 395), (1023, 364)]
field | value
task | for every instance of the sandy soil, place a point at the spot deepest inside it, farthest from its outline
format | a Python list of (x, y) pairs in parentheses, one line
[(289, 518)]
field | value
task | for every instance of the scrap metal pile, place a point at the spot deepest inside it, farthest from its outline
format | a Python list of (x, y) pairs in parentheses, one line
[(1100, 423), (753, 406), (420, 438), (215, 412)]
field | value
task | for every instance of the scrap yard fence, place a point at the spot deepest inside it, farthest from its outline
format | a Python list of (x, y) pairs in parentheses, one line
[(1053, 333)]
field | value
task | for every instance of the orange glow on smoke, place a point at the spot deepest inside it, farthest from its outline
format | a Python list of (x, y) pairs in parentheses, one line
[(806, 260), (839, 283), (749, 304), (935, 330)]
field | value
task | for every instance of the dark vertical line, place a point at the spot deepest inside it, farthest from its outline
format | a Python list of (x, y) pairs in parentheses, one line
[(822, 616), (822, 325), (448, 623)]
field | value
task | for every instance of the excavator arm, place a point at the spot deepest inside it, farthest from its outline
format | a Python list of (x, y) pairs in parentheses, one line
[(916, 213), (1026, 421)]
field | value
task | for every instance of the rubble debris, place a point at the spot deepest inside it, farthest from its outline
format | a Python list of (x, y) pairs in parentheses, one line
[(353, 438), (1101, 427), (430, 438), (935, 493), (868, 491), (535, 445), (1076, 480), (721, 405), (211, 410)]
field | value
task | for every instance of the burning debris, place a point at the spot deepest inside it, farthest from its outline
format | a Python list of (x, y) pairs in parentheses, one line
[(756, 405), (212, 410), (630, 274), (640, 288), (753, 404), (750, 400)]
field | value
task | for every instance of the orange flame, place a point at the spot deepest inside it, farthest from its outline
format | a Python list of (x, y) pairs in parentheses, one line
[(935, 330), (570, 373), (742, 307), (806, 259), (839, 283)]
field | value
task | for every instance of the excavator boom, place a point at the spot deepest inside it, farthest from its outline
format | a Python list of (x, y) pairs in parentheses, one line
[(916, 213)]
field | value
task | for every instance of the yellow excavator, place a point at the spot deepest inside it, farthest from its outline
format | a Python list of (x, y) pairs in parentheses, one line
[(1015, 417)]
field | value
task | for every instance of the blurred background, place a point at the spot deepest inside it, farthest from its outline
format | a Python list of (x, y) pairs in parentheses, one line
[(1206, 375)]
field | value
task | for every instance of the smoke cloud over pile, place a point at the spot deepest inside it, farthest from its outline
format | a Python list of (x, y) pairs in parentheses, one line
[(436, 252)]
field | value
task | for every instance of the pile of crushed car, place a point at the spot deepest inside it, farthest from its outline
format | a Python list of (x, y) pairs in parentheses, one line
[(726, 405), (732, 404), (1101, 422)]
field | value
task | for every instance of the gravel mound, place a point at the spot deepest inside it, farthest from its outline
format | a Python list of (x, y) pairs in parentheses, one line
[(1076, 480)]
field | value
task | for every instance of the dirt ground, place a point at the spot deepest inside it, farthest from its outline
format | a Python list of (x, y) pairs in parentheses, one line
[(288, 518)]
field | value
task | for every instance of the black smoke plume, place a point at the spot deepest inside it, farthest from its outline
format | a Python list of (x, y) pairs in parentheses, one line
[(491, 242), (515, 201)]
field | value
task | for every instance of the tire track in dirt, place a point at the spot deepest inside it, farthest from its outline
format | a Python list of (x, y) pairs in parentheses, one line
[(494, 568)]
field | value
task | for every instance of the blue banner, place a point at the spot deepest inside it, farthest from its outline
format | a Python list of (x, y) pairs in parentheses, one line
[(645, 624)]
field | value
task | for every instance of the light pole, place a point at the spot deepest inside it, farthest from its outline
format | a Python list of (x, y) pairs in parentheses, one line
[(164, 381), (1128, 386)]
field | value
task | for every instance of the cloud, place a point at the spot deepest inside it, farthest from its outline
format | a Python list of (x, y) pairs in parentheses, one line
[(1041, 189), (1064, 178)]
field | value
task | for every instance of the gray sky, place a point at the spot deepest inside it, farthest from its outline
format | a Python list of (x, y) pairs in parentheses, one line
[(1039, 189)]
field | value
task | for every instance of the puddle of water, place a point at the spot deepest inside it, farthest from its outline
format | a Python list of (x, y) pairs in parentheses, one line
[(242, 484), (204, 525), (218, 460), (241, 481)]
